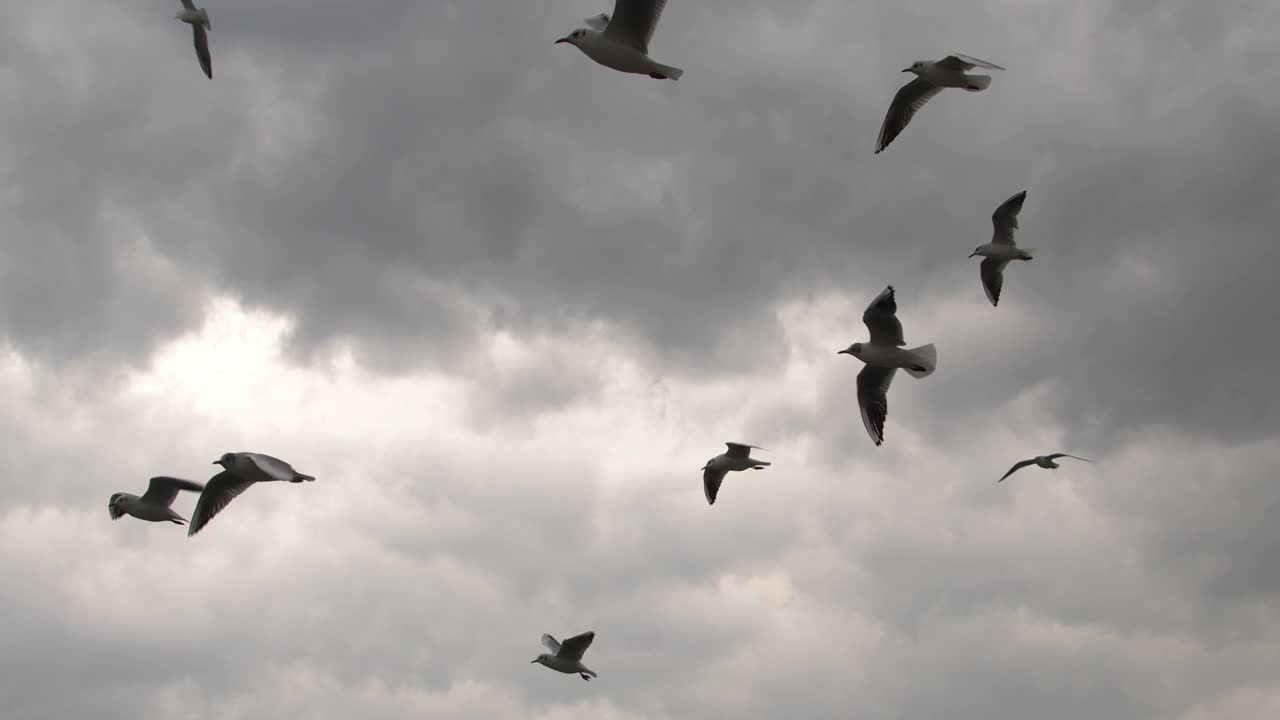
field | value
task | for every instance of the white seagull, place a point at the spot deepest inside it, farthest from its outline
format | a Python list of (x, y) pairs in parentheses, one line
[(242, 469), (737, 458), (948, 72), (997, 253), (154, 505), (198, 18), (566, 657), (884, 354), (621, 42), (1044, 461)]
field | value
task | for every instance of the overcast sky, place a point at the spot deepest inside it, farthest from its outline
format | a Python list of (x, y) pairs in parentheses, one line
[(504, 302)]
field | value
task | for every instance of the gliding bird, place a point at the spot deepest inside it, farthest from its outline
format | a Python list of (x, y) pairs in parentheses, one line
[(997, 253), (884, 354), (933, 77), (566, 657), (1044, 461), (621, 42), (154, 505), (738, 457)]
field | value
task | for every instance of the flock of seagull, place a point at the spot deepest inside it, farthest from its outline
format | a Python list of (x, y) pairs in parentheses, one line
[(621, 42)]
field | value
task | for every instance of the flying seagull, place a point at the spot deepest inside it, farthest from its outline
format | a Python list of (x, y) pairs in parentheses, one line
[(566, 657), (1044, 461), (199, 21), (932, 77), (154, 505), (738, 457), (241, 469), (621, 42), (997, 253), (884, 354)]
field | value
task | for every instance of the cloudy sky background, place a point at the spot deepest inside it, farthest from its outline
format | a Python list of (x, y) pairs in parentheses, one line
[(505, 302)]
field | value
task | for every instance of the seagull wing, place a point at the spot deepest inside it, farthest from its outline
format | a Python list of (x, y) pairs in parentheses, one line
[(1005, 219), (1055, 456), (597, 22), (275, 468), (164, 490), (220, 490), (956, 61), (881, 319), (711, 480), (574, 647), (1016, 467), (740, 450), (910, 98), (633, 21), (992, 273), (201, 39), (188, 4), (873, 399), (552, 644)]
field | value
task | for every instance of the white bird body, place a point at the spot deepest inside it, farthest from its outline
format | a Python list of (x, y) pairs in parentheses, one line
[(567, 657), (194, 16), (133, 505), (736, 459), (621, 41), (154, 504), (620, 57), (947, 75), (917, 360), (1004, 252)]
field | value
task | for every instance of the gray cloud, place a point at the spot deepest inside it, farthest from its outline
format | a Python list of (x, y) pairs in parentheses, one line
[(417, 184)]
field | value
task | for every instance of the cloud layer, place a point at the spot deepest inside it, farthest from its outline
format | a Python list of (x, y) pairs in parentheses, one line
[(504, 302)]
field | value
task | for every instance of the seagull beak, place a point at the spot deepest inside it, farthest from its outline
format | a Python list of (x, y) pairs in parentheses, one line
[(975, 252), (563, 39), (843, 352), (906, 69)]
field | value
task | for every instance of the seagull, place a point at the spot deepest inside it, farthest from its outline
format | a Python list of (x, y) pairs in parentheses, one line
[(241, 469), (154, 505), (199, 21), (1044, 461), (737, 458), (997, 253), (622, 42), (948, 72), (884, 354), (567, 657)]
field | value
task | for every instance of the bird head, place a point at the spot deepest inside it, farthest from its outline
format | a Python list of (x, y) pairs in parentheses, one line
[(178, 15), (540, 659), (227, 460), (115, 506), (976, 251), (917, 67), (574, 37), (854, 350)]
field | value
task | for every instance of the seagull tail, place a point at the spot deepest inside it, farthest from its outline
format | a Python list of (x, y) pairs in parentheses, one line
[(664, 72), (977, 82), (926, 359)]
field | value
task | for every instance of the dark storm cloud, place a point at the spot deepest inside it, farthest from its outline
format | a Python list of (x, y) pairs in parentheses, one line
[(402, 179)]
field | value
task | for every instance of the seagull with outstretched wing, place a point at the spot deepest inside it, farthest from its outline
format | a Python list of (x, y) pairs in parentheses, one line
[(621, 41), (737, 457), (1044, 461), (931, 79), (566, 657)]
